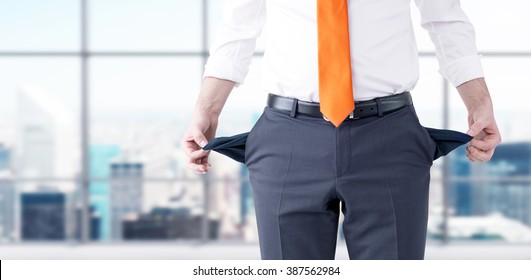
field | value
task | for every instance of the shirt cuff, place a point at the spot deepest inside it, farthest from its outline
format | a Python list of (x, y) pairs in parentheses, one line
[(463, 70), (226, 69)]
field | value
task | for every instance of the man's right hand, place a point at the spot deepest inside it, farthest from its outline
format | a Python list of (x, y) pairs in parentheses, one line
[(202, 128)]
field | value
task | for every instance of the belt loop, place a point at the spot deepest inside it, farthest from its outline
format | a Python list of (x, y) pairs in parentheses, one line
[(379, 107), (294, 107)]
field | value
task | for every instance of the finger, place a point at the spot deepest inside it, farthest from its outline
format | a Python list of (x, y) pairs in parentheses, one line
[(198, 154), (470, 156), (198, 168), (190, 149), (204, 161), (481, 156), (189, 146), (486, 144), (199, 138), (475, 128)]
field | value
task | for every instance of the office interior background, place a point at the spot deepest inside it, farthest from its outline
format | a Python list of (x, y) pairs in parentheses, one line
[(95, 96)]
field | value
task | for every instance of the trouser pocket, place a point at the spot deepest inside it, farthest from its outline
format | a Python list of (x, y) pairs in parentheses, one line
[(446, 140)]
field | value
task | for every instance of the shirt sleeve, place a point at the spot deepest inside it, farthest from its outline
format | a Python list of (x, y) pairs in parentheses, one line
[(235, 40), (454, 38)]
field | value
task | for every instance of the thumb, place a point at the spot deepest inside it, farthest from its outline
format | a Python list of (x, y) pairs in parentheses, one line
[(199, 138), (475, 128)]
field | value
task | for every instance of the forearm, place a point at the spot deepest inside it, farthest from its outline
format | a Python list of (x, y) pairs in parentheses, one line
[(475, 93), (213, 95)]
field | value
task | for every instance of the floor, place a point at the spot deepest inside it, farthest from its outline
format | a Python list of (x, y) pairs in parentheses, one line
[(176, 251)]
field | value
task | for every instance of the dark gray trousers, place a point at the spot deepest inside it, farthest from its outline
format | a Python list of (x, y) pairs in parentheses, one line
[(375, 170)]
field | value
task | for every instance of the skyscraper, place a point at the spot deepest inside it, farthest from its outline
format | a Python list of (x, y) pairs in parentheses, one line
[(46, 137), (95, 224), (47, 147), (100, 194), (4, 157), (43, 216), (246, 197), (126, 193), (7, 196), (7, 206)]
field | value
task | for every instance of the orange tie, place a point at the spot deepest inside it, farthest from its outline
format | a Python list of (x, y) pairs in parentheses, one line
[(335, 75)]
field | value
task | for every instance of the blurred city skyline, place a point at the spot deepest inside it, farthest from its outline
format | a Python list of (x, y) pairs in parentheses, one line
[(144, 73)]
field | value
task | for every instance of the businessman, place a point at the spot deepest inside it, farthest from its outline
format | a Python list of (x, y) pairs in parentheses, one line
[(339, 132)]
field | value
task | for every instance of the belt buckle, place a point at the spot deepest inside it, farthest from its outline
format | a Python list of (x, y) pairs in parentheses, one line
[(353, 115)]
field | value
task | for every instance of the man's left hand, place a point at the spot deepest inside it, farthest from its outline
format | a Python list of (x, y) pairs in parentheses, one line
[(481, 122)]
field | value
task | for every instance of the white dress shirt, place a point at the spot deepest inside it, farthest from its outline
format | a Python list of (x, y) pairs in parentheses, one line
[(384, 54)]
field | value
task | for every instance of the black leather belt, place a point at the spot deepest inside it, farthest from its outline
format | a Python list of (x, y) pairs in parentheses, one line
[(374, 107)]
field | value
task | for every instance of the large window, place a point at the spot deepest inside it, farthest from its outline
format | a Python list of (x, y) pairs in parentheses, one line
[(95, 96)]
